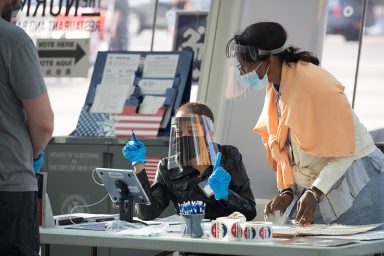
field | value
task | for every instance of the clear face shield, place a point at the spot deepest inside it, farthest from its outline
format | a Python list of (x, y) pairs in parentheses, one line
[(241, 61), (239, 57), (190, 142)]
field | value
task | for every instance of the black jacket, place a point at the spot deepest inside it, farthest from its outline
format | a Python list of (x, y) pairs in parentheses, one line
[(181, 186)]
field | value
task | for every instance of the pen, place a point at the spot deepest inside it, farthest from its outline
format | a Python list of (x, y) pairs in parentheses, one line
[(134, 136)]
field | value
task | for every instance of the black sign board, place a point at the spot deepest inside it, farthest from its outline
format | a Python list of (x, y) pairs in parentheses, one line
[(189, 35)]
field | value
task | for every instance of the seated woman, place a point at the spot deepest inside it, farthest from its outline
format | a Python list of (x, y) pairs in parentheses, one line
[(191, 160)]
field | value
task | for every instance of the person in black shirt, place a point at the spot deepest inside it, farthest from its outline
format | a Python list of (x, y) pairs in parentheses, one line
[(191, 161)]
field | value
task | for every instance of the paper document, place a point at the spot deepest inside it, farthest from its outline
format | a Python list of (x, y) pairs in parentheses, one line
[(151, 104), (153, 86), (167, 116), (110, 98), (316, 241), (161, 66), (144, 231), (173, 219), (366, 236), (321, 229), (120, 68)]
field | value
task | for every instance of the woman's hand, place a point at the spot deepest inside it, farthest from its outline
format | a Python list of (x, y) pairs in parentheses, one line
[(278, 203), (134, 151), (306, 207)]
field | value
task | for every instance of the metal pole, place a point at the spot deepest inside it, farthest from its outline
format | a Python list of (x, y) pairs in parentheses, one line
[(154, 24), (359, 51)]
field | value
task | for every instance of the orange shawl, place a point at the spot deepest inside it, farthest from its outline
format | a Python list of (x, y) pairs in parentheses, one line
[(315, 111)]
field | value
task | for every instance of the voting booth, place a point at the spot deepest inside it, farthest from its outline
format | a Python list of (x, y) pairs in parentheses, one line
[(137, 91)]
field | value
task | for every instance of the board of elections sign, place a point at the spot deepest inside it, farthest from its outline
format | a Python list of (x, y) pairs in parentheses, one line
[(189, 35)]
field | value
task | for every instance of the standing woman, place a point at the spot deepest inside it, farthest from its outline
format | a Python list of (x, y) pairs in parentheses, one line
[(313, 139)]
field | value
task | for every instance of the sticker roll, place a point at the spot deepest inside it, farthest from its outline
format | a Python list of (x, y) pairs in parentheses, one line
[(218, 230), (257, 231), (226, 229)]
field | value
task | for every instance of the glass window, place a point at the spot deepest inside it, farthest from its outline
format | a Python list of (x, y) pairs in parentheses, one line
[(108, 25), (342, 57)]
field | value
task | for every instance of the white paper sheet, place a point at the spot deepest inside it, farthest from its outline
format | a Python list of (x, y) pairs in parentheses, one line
[(120, 70), (162, 65), (367, 236), (155, 86), (110, 98), (321, 229), (151, 104)]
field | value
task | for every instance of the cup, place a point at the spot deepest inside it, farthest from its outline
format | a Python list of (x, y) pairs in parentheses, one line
[(193, 225)]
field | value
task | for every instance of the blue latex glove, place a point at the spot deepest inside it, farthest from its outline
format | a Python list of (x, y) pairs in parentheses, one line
[(135, 150), (38, 162), (219, 180)]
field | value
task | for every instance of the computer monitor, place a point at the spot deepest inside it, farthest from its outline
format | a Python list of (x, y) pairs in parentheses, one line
[(124, 188)]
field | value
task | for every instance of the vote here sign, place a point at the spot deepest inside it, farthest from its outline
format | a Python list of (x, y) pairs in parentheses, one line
[(63, 57)]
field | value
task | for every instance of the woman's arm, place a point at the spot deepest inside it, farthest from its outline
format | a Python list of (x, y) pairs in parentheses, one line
[(157, 194), (240, 197)]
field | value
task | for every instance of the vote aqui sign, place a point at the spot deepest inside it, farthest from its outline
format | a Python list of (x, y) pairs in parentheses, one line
[(63, 57)]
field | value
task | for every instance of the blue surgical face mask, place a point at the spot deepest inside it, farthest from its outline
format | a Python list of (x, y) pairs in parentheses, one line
[(252, 80)]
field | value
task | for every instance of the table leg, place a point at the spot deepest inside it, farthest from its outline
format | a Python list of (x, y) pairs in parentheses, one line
[(44, 249), (94, 251)]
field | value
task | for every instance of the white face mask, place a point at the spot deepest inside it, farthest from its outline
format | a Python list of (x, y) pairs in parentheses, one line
[(252, 80)]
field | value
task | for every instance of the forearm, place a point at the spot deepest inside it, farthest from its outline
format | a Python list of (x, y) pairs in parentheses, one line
[(40, 122), (240, 197), (236, 202), (156, 197), (337, 167), (40, 139), (332, 172), (138, 167)]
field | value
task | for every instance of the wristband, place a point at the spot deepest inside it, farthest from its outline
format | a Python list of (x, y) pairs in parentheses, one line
[(286, 191), (318, 192), (314, 194)]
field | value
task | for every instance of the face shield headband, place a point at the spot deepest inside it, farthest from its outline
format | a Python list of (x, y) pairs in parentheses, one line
[(190, 142), (240, 59), (251, 53)]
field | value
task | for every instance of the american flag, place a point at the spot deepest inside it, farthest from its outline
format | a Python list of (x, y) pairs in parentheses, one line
[(144, 125), (93, 124), (119, 125), (151, 167)]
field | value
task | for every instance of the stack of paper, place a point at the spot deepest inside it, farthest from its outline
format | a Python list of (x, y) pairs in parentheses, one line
[(321, 229)]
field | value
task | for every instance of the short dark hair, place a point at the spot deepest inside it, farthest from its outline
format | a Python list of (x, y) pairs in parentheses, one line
[(196, 108)]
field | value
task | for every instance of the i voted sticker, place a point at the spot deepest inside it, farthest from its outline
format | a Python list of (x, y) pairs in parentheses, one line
[(218, 230), (249, 233)]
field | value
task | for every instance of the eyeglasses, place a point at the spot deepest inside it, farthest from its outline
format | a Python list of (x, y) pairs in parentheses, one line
[(238, 66)]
